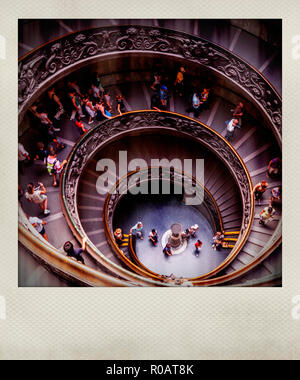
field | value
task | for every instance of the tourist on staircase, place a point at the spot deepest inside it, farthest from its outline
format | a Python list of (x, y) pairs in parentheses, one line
[(231, 125), (73, 252), (75, 105), (54, 166), (259, 190), (276, 197), (55, 105), (179, 82), (238, 113), (89, 109), (120, 104), (38, 196), (38, 224), (119, 237), (266, 215), (218, 240), (204, 98), (79, 124)]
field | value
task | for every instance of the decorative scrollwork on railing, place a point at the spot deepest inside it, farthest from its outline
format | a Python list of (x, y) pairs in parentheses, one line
[(49, 60), (143, 120)]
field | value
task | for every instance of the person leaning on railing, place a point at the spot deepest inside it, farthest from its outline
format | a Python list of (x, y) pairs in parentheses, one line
[(38, 224), (76, 253), (119, 237)]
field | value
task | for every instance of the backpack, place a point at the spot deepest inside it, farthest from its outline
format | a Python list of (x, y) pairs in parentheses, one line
[(51, 167)]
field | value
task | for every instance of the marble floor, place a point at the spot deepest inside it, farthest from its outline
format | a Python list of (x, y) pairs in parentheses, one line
[(160, 212)]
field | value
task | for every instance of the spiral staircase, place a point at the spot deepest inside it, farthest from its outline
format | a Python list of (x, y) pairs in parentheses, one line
[(255, 255)]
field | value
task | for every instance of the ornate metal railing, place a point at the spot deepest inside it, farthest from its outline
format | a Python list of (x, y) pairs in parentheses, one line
[(45, 65), (155, 121), (147, 175)]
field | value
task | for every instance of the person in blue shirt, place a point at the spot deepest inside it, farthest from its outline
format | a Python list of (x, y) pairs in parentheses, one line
[(137, 230), (196, 104), (164, 96), (167, 250)]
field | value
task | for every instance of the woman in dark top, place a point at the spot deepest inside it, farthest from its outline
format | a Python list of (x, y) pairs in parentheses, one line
[(120, 104), (76, 253)]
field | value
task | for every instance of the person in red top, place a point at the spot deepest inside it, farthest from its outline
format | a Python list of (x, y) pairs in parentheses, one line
[(80, 125), (204, 98), (238, 113), (198, 246), (259, 190)]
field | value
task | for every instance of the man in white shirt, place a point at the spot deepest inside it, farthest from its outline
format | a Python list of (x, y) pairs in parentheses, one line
[(231, 125), (39, 225)]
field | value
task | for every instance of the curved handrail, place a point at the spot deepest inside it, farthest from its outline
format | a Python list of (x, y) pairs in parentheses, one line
[(272, 244), (118, 126), (108, 216), (52, 256), (54, 59)]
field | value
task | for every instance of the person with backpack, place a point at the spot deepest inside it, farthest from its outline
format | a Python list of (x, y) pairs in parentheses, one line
[(54, 166)]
